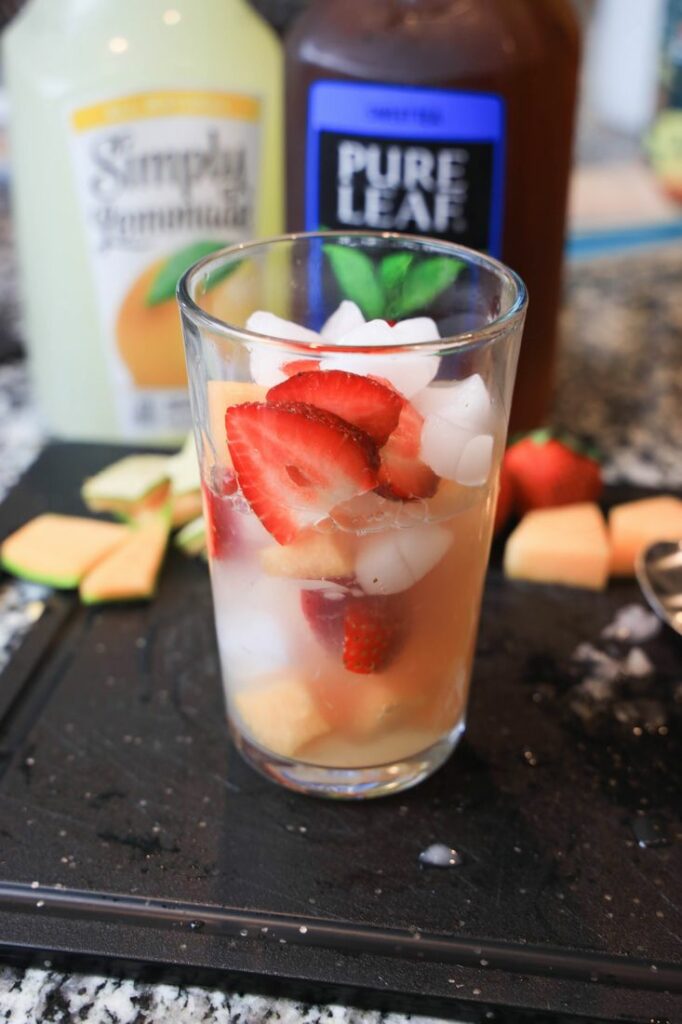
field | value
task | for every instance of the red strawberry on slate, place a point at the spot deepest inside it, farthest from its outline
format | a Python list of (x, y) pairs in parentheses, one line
[(361, 401), (294, 463), (218, 512), (366, 631), (547, 471), (402, 474)]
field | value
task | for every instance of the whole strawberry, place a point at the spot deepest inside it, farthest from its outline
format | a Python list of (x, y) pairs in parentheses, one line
[(548, 470)]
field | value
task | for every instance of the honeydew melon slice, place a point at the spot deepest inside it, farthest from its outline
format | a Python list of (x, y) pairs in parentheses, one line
[(191, 539), (134, 484), (131, 571), (183, 469), (59, 550)]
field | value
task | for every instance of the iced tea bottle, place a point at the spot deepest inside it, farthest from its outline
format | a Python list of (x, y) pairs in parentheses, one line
[(444, 118)]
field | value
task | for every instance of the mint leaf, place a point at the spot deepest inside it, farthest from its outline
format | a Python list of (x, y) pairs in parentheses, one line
[(393, 268), (423, 283), (357, 278), (169, 273)]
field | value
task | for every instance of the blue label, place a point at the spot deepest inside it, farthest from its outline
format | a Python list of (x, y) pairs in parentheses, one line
[(395, 158)]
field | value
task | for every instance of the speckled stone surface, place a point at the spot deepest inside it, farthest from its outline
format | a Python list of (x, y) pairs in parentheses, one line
[(619, 381)]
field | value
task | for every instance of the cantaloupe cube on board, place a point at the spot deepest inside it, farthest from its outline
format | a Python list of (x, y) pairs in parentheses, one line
[(280, 714), (131, 571), (221, 394), (128, 487), (58, 550), (636, 524), (567, 545), (311, 556)]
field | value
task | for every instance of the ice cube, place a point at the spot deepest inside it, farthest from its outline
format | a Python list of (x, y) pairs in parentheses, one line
[(370, 332), (388, 563), (265, 361), (346, 318), (442, 445), (475, 461), (407, 374), (276, 327), (466, 403), (416, 329)]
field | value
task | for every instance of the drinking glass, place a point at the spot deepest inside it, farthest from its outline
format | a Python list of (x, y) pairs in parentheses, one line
[(350, 393)]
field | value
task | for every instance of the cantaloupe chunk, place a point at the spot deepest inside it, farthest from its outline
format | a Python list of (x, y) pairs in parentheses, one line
[(58, 550), (221, 394), (312, 556), (129, 487), (185, 507), (280, 714), (130, 572), (636, 524), (567, 545)]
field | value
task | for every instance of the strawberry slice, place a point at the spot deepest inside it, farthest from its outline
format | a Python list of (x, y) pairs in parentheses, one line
[(365, 631), (295, 366), (218, 512), (325, 611), (402, 474), (362, 401), (294, 463), (372, 630)]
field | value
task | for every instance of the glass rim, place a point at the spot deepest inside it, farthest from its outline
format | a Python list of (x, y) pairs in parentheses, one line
[(465, 340)]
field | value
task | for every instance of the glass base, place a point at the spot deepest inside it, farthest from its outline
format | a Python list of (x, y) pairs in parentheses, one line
[(349, 783)]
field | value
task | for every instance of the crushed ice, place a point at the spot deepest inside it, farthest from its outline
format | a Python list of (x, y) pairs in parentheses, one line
[(633, 624), (438, 855)]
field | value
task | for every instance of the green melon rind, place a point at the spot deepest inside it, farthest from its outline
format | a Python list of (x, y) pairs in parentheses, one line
[(192, 537), (94, 490), (34, 576)]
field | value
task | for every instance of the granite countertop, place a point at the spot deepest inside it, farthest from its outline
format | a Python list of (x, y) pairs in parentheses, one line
[(619, 381)]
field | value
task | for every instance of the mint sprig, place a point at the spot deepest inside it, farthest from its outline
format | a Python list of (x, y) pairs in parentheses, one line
[(400, 283)]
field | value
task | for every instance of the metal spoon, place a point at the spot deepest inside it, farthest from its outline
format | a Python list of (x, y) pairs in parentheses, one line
[(659, 573)]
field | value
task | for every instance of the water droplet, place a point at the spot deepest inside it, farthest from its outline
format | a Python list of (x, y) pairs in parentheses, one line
[(476, 991), (35, 885), (303, 930), (530, 758), (40, 903), (438, 855), (484, 963), (649, 832), (244, 932), (196, 926)]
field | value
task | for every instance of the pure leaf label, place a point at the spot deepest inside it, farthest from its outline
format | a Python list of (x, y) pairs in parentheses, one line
[(401, 284), (357, 278), (169, 273), (424, 282)]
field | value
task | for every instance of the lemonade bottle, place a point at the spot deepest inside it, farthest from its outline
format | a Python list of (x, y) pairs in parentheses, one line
[(145, 133)]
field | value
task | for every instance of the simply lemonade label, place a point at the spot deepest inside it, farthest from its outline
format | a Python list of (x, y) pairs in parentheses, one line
[(162, 179)]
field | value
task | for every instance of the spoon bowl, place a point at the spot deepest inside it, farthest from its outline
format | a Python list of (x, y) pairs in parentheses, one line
[(659, 573)]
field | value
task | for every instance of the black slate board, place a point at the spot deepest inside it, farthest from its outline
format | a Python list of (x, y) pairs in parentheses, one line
[(131, 830)]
